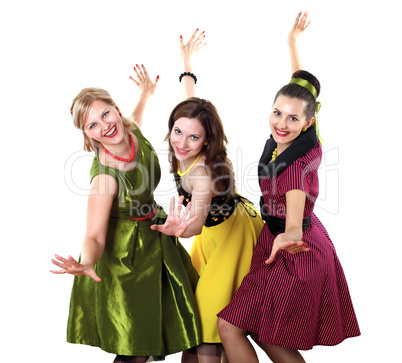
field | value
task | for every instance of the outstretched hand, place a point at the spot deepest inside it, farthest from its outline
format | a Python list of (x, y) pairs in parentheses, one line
[(71, 266), (144, 83), (280, 243), (175, 224), (192, 47), (299, 26)]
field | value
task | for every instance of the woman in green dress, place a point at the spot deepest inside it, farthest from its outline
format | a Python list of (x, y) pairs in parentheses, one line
[(133, 290)]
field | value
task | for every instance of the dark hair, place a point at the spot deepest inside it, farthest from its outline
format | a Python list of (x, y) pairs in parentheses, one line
[(296, 91), (219, 166)]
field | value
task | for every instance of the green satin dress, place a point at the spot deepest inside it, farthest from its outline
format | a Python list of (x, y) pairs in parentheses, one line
[(145, 304)]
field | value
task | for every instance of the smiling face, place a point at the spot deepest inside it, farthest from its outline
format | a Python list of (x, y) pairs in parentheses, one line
[(287, 120), (187, 138), (104, 124)]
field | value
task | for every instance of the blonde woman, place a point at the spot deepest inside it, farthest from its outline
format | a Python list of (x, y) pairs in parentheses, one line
[(133, 290)]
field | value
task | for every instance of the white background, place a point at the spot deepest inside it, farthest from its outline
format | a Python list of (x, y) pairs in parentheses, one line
[(50, 50)]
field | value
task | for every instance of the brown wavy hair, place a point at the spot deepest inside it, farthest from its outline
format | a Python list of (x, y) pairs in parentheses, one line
[(215, 152), (79, 111)]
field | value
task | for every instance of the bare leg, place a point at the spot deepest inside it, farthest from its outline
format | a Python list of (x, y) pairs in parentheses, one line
[(129, 359), (237, 347), (279, 354)]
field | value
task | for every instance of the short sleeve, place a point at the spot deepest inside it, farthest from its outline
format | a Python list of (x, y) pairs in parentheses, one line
[(296, 176)]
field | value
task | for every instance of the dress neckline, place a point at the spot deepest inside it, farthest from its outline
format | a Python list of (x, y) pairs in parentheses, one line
[(305, 142), (138, 151)]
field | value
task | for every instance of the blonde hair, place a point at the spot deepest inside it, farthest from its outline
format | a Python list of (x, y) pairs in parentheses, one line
[(79, 111)]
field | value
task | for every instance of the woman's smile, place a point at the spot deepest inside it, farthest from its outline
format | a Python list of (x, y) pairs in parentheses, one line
[(187, 138), (111, 132), (104, 123), (181, 151), (281, 133)]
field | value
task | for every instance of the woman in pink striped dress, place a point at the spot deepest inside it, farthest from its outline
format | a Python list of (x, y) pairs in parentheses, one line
[(295, 295)]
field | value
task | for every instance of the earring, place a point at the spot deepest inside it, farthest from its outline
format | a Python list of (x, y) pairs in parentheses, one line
[(206, 143), (304, 129)]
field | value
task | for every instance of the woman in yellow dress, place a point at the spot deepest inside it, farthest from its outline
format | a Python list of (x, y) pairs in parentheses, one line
[(228, 226)]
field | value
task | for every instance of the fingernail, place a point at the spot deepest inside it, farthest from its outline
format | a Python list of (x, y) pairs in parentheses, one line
[(157, 77), (134, 68), (131, 77), (142, 65), (197, 29), (181, 37)]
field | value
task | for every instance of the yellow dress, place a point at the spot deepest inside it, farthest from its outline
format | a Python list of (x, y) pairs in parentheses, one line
[(222, 255)]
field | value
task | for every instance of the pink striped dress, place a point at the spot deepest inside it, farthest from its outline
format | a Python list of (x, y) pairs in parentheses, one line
[(299, 300)]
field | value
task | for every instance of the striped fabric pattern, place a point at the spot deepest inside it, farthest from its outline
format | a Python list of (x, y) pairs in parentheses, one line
[(299, 300)]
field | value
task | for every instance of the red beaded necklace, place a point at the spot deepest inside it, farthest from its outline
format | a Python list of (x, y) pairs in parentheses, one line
[(119, 158)]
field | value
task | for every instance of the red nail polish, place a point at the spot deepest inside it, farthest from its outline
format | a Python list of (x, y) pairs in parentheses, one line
[(134, 68), (181, 37), (157, 77)]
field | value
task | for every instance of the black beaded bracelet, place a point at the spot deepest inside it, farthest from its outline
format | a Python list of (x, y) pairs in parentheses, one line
[(188, 74)]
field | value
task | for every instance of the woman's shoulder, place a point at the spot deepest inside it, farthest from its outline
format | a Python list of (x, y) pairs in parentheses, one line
[(200, 169), (136, 131), (198, 179), (312, 158), (98, 169)]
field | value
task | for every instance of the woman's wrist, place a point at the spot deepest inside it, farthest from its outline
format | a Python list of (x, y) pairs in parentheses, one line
[(188, 74), (292, 40), (187, 65), (144, 96), (87, 263)]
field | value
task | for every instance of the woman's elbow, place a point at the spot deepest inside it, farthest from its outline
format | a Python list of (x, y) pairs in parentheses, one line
[(198, 231)]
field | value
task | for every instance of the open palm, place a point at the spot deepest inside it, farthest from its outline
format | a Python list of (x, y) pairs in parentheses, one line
[(176, 223)]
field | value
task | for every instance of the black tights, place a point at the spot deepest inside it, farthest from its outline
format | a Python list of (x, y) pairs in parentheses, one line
[(129, 359), (204, 353)]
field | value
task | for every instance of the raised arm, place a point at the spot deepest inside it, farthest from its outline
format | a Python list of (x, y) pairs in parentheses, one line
[(188, 51), (298, 27), (147, 88), (103, 190)]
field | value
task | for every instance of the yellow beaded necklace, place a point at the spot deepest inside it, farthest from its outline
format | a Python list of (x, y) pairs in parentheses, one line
[(182, 174), (274, 154)]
